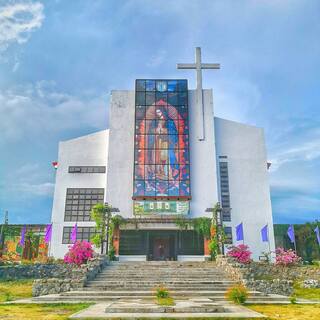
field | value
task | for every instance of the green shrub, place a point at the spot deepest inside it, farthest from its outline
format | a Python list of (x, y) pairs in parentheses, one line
[(8, 296), (293, 299), (237, 294), (112, 253), (162, 292)]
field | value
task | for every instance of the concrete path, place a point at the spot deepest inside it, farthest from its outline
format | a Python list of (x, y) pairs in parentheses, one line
[(100, 310)]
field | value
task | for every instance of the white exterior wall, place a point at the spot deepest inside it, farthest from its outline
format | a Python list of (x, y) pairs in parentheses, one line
[(248, 181), (121, 151), (121, 154), (90, 150), (203, 168)]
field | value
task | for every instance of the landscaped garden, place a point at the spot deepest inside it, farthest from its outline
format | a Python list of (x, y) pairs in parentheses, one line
[(287, 276)]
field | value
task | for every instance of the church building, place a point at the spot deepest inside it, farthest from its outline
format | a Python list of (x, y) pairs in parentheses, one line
[(164, 156)]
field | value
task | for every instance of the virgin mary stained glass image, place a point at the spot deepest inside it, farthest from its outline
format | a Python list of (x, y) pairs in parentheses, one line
[(161, 144)]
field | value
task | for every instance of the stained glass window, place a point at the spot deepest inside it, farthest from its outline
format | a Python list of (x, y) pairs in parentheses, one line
[(161, 156)]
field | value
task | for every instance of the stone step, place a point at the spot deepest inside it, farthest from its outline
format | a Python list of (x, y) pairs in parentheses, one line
[(152, 289), (157, 270), (162, 266), (167, 272), (181, 291), (144, 293), (167, 278), (159, 264), (163, 275), (127, 307), (92, 298), (168, 281)]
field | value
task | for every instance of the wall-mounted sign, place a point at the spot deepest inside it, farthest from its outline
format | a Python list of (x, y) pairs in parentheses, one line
[(161, 207)]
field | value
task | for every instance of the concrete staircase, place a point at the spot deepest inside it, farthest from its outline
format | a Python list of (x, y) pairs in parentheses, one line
[(129, 281)]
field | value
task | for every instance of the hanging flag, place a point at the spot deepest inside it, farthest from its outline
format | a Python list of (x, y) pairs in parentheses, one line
[(264, 234), (317, 231), (23, 234), (47, 237), (73, 236), (290, 233), (55, 164), (239, 232)]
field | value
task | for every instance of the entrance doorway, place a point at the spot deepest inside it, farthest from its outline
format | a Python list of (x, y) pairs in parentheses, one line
[(162, 246), (161, 249)]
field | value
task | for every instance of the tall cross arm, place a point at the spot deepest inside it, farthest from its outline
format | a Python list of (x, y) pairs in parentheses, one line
[(186, 66), (210, 65)]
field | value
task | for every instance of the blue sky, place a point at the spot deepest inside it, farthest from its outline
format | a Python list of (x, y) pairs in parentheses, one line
[(60, 59)]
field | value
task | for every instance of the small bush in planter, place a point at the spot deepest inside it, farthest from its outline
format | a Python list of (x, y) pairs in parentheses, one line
[(241, 253), (79, 253), (162, 292), (237, 294), (163, 297)]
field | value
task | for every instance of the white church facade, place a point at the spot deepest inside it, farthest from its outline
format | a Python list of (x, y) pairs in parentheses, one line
[(165, 155)]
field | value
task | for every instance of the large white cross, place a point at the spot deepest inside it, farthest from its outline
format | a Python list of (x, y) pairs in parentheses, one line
[(198, 66)]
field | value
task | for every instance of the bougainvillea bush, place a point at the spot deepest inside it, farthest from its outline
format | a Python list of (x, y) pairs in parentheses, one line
[(79, 253), (286, 257), (241, 253)]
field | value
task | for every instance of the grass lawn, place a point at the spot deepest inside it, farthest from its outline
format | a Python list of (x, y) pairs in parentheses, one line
[(288, 312), (12, 290), (39, 312), (312, 293)]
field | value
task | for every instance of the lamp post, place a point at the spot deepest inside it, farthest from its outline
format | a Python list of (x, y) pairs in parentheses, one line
[(109, 211), (217, 219), (219, 225), (6, 221)]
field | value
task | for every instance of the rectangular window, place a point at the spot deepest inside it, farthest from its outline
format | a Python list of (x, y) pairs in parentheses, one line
[(83, 233), (224, 190), (161, 156), (79, 203), (87, 169), (228, 233)]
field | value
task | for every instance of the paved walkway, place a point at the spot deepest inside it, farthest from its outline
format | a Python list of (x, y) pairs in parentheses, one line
[(182, 309)]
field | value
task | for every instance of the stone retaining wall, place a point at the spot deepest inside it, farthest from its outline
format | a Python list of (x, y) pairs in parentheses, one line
[(247, 273), (35, 271), (276, 286), (75, 280)]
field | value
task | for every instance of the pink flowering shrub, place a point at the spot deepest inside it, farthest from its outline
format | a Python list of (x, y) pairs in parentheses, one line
[(286, 257), (79, 253), (241, 253)]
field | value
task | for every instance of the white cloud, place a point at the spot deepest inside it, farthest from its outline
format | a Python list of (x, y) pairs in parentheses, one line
[(157, 59), (40, 189), (17, 21), (235, 99), (42, 110), (290, 205), (28, 181), (305, 151)]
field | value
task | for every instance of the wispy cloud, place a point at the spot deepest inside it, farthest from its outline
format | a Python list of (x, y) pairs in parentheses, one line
[(157, 59), (307, 150), (41, 109), (27, 181), (18, 21)]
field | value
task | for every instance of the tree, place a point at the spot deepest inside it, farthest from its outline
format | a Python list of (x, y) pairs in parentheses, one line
[(218, 236), (100, 213), (306, 240), (105, 226)]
